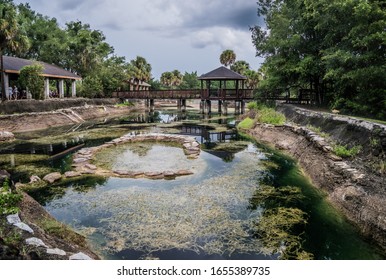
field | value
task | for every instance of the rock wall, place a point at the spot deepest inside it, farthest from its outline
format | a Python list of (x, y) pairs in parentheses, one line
[(352, 184), (344, 130), (30, 106)]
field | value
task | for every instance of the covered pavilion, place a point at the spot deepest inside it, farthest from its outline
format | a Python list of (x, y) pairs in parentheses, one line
[(13, 66), (217, 85)]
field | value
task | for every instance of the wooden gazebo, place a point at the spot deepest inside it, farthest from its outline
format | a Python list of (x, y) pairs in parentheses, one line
[(223, 85)]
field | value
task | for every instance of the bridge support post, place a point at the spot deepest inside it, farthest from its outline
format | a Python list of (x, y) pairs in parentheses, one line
[(208, 106), (225, 107), (183, 105), (151, 105), (179, 104), (220, 106), (242, 103), (202, 106)]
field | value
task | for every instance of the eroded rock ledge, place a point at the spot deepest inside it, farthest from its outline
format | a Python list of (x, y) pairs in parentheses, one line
[(82, 160)]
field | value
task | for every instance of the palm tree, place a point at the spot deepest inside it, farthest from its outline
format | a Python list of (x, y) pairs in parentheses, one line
[(228, 57), (11, 36), (253, 78), (167, 78), (140, 70), (240, 67), (177, 78)]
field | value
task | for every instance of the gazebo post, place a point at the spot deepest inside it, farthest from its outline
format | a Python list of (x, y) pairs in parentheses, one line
[(61, 88), (73, 88), (46, 88)]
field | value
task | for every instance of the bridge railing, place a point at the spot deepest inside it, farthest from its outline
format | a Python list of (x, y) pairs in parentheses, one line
[(220, 94), (159, 94), (224, 94)]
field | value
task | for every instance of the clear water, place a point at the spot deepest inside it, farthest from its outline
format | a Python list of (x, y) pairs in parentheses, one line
[(212, 214)]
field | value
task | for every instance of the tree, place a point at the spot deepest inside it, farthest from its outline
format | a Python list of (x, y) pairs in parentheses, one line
[(49, 43), (167, 79), (177, 78), (87, 48), (240, 66), (31, 78), (190, 81), (253, 78), (12, 37), (139, 70), (227, 57), (334, 48)]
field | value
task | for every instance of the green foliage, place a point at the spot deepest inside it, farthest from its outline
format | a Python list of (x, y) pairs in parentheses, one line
[(247, 123), (240, 66), (335, 48), (270, 116), (252, 105), (8, 200), (345, 152), (227, 57), (55, 228), (91, 87), (31, 78), (189, 81)]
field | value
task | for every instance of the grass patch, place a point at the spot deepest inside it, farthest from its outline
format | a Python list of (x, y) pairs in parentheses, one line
[(55, 228), (318, 131), (270, 116), (247, 123), (344, 152), (125, 104)]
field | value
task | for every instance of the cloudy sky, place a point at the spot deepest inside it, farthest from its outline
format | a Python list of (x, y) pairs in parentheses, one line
[(188, 35)]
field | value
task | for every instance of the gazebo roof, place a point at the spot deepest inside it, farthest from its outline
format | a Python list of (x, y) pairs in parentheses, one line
[(15, 64), (222, 73)]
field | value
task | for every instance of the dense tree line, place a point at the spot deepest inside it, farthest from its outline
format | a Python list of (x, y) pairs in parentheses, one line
[(76, 47), (335, 48)]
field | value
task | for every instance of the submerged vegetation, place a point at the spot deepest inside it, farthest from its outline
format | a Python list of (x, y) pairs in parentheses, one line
[(281, 224)]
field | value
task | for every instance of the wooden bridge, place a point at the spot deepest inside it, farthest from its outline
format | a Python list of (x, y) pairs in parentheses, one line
[(206, 96)]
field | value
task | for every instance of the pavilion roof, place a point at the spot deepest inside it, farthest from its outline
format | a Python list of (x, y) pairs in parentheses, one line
[(15, 64), (222, 73)]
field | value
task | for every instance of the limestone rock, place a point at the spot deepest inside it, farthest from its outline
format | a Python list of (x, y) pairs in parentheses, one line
[(71, 174), (56, 251), (91, 166), (13, 219), (80, 256), (184, 172), (34, 179), (35, 242), (52, 177), (6, 136), (24, 227)]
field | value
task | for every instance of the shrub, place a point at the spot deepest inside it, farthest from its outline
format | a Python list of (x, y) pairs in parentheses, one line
[(8, 200), (247, 123), (31, 79), (270, 116), (345, 152)]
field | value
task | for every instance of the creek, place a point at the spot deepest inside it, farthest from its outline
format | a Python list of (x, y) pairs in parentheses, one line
[(244, 200)]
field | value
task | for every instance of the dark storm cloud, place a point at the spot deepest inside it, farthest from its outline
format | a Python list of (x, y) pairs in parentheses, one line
[(235, 17)]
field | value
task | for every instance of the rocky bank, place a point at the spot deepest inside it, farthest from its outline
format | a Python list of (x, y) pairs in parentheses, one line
[(356, 186)]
